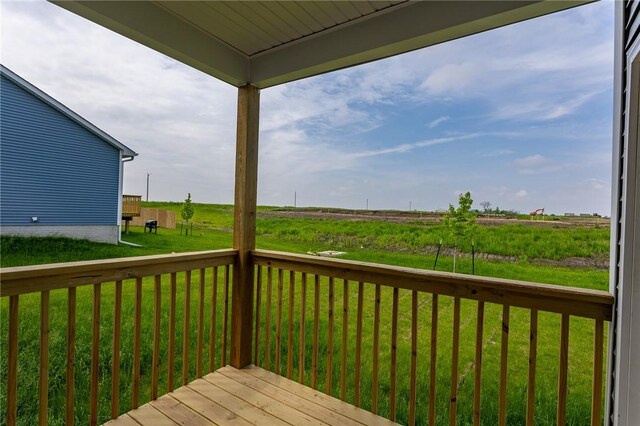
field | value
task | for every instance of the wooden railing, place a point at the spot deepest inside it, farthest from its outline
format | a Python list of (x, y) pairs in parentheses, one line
[(411, 357), (131, 205), (155, 276), (306, 325)]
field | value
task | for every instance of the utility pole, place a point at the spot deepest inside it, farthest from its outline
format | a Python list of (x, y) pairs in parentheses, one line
[(295, 199), (148, 174), (367, 204), (409, 205)]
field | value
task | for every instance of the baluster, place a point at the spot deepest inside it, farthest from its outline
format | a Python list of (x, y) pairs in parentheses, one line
[(279, 322), (376, 351), (504, 351), (136, 343), (330, 338), (95, 355), (358, 343), (267, 329), (212, 320), (596, 399), (256, 347), (316, 318), (200, 346), (303, 308), (292, 290), (533, 357), (172, 333), (562, 370), (44, 358), (345, 327), (432, 364), (71, 354), (454, 362), (225, 318), (414, 358), (477, 379), (394, 355), (186, 327), (157, 313), (12, 353), (115, 363)]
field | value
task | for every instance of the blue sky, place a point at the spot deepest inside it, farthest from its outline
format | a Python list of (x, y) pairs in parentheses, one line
[(520, 116)]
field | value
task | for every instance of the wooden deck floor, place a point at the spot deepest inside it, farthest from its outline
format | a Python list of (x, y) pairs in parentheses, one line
[(251, 396)]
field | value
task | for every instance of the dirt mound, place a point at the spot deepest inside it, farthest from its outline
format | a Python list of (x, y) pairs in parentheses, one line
[(429, 217)]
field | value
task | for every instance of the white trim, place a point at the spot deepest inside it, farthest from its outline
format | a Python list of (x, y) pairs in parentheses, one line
[(625, 367), (611, 383), (120, 189)]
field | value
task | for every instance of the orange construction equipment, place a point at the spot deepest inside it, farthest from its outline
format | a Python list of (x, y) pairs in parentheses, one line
[(537, 212)]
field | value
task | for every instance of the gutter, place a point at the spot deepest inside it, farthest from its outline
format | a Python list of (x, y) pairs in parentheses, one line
[(124, 159)]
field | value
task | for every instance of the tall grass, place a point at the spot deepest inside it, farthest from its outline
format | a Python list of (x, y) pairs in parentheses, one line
[(506, 240), (388, 243)]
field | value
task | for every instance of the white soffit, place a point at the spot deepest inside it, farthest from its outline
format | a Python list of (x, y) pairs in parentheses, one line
[(269, 43)]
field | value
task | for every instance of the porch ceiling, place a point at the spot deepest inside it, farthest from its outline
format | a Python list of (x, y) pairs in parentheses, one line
[(269, 43)]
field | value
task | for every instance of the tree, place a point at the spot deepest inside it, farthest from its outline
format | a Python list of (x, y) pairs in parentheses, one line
[(460, 222), (486, 206), (187, 211)]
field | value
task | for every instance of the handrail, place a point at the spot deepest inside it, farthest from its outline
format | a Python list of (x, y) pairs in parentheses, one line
[(332, 280), (208, 271), (29, 279), (595, 304)]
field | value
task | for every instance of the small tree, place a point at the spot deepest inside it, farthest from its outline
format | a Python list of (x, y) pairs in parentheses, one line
[(486, 206), (187, 211), (460, 222)]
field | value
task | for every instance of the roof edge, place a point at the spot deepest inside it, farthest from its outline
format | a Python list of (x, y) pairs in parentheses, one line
[(125, 150)]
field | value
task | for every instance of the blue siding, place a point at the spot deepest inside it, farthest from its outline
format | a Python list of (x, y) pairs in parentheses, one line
[(51, 167)]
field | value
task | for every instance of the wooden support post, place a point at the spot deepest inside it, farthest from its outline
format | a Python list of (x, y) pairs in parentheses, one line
[(244, 229)]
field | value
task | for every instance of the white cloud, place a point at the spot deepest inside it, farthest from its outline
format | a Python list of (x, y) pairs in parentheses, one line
[(546, 109), (532, 161), (451, 79), (411, 146), (521, 193), (494, 153), (598, 184), (438, 121), (536, 164)]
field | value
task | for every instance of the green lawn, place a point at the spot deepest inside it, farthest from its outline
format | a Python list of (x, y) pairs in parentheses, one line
[(215, 233)]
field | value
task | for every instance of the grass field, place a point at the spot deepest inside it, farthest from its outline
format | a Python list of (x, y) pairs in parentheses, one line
[(300, 235)]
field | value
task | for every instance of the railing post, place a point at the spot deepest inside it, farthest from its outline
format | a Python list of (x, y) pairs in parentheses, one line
[(244, 229)]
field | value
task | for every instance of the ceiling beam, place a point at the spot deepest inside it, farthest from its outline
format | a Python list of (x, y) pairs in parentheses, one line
[(400, 30), (155, 27), (392, 31)]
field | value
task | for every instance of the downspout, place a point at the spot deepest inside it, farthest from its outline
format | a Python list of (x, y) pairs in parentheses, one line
[(123, 160)]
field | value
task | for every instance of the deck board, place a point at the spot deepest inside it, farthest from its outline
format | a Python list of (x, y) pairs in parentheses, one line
[(347, 410), (251, 396)]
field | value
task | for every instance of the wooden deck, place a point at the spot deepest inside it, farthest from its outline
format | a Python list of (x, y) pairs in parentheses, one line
[(245, 397)]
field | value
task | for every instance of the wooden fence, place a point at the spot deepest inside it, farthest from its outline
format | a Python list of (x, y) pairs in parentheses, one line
[(165, 218)]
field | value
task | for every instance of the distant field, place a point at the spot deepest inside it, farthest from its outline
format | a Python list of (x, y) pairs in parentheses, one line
[(406, 243), (559, 239)]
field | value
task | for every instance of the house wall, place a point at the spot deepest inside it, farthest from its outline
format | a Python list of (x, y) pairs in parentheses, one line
[(623, 369), (97, 233), (53, 169)]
